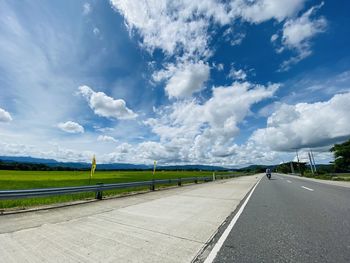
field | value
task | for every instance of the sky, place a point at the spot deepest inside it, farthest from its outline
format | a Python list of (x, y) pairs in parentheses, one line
[(228, 83)]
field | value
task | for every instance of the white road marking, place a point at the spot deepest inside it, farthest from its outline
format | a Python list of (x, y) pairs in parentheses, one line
[(227, 231), (307, 188), (288, 181)]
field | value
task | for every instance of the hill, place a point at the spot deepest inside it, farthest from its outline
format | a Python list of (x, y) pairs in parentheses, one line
[(31, 163)]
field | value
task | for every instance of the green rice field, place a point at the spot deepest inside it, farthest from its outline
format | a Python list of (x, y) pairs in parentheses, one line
[(11, 180)]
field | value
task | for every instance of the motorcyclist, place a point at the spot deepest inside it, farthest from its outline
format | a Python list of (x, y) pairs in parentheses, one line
[(268, 173)]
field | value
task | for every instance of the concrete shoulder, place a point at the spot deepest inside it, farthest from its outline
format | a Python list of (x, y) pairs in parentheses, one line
[(163, 226)]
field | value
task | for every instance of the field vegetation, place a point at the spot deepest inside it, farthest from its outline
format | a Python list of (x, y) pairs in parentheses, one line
[(11, 180)]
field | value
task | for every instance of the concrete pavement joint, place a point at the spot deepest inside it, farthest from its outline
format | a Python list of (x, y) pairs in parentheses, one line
[(215, 198), (151, 231)]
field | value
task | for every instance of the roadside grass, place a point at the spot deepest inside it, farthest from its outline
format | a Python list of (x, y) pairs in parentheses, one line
[(332, 177), (12, 180), (341, 177)]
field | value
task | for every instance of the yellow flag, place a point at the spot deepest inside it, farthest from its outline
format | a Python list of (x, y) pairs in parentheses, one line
[(93, 165), (154, 167)]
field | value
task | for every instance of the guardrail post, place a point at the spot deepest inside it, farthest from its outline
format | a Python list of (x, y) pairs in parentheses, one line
[(152, 186), (179, 182), (99, 192), (196, 181)]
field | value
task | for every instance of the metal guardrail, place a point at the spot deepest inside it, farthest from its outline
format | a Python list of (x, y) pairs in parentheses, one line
[(99, 188)]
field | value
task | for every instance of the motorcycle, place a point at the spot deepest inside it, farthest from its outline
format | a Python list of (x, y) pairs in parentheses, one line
[(268, 174)]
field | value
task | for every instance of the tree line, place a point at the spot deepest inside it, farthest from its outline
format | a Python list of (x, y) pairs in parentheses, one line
[(6, 165)]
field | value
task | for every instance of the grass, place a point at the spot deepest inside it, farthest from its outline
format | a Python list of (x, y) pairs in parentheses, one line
[(11, 180), (341, 177), (332, 177)]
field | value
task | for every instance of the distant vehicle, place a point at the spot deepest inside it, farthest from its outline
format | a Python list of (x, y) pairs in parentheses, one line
[(268, 173)]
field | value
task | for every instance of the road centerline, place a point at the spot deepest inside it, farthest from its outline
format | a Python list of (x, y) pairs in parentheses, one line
[(307, 188)]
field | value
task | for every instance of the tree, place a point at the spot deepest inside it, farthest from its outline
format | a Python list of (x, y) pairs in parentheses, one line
[(341, 156), (299, 167)]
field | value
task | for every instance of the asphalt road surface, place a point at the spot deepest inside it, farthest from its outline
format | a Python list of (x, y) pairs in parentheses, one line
[(291, 220)]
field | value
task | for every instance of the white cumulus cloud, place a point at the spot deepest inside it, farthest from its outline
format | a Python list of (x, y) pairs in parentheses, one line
[(71, 127), (183, 30), (298, 32), (307, 125), (184, 79), (196, 132), (106, 106), (106, 138), (261, 10), (183, 25), (173, 25), (5, 116)]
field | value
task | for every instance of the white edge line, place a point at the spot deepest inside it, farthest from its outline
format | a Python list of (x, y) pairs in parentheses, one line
[(227, 231), (307, 188)]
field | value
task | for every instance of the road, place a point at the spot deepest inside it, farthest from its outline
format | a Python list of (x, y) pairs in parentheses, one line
[(288, 219)]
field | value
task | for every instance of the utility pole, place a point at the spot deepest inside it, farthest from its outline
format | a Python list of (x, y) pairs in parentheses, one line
[(296, 151), (313, 160), (292, 167), (311, 164)]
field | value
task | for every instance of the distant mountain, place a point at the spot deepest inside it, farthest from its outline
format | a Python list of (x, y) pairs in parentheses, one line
[(112, 166), (27, 159), (193, 167)]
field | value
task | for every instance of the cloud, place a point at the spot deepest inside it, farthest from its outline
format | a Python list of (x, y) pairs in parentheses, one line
[(189, 132), (173, 26), (274, 37), (218, 66), (96, 31), (87, 9), (182, 26), (297, 34), (234, 38), (5, 116), (237, 39), (56, 152), (37, 61), (263, 10), (106, 106), (105, 138), (198, 132), (71, 127), (237, 74), (184, 79), (183, 30), (306, 125)]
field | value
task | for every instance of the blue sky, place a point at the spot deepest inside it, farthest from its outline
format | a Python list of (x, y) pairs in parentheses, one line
[(213, 82)]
